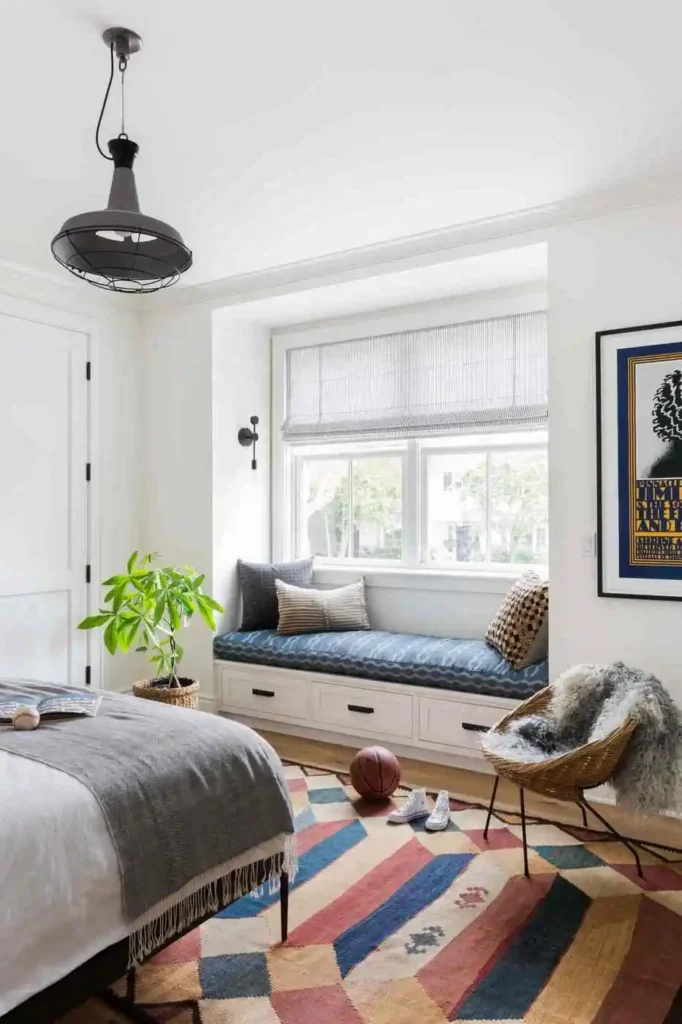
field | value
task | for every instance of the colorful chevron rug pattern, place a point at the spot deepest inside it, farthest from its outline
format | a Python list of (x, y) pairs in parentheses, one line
[(393, 925)]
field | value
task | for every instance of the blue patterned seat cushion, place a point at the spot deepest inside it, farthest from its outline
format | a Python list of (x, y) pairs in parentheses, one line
[(446, 664)]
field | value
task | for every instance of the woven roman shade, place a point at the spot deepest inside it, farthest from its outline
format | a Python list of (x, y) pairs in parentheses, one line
[(474, 377)]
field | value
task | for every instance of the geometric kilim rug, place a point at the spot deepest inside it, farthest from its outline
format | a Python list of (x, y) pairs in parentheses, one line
[(394, 925)]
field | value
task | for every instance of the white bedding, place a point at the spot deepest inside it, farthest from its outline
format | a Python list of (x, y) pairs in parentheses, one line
[(60, 901), (61, 892)]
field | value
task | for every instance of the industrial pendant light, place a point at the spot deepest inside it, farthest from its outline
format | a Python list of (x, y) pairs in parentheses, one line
[(120, 248)]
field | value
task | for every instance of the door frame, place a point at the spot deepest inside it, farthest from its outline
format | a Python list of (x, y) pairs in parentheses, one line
[(52, 316)]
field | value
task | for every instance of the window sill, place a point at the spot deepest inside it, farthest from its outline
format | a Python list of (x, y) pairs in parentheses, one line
[(417, 579)]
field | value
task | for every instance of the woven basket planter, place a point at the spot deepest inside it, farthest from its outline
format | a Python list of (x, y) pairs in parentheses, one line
[(564, 777), (184, 696)]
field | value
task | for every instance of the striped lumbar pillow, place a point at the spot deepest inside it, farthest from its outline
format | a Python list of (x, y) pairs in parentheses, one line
[(302, 610)]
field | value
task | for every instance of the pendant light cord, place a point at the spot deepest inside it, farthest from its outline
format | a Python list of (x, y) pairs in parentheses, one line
[(122, 66), (104, 105)]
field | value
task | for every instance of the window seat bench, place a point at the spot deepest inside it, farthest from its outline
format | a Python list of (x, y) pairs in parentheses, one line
[(427, 697)]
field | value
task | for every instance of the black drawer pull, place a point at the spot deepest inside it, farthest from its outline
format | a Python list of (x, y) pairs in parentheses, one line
[(471, 727), (360, 709), (263, 693)]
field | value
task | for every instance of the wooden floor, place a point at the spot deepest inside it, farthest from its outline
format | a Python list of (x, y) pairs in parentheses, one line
[(472, 786)]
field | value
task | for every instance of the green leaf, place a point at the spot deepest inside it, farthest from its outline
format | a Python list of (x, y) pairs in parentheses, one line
[(111, 637), (141, 650), (112, 581), (131, 631), (173, 614), (212, 603), (93, 621), (159, 609), (131, 561), (206, 613)]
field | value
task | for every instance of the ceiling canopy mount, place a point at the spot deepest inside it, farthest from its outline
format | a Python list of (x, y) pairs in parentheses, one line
[(123, 40)]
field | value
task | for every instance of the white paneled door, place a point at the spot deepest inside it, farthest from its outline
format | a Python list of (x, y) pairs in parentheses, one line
[(43, 501)]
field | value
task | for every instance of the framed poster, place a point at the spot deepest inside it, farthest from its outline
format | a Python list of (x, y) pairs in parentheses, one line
[(639, 461)]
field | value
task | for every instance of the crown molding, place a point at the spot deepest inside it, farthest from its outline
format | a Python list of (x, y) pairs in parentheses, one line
[(61, 291), (523, 227)]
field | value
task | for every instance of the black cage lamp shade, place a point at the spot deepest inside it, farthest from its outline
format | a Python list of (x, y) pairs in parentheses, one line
[(120, 248)]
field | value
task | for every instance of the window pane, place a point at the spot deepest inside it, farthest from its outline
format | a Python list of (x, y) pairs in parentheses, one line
[(323, 504), (518, 503), (377, 488), (456, 524)]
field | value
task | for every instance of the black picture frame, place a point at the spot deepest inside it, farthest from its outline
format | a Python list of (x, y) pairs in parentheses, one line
[(603, 589)]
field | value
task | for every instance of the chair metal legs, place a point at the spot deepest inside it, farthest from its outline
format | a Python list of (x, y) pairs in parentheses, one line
[(613, 832), (491, 806), (284, 904), (584, 807), (522, 800)]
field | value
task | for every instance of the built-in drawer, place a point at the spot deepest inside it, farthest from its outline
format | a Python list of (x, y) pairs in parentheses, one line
[(363, 710), (451, 724), (266, 696)]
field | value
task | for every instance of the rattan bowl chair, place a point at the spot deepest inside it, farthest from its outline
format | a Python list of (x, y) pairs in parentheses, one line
[(565, 777)]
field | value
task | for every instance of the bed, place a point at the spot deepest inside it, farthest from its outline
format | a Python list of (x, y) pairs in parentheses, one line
[(66, 929)]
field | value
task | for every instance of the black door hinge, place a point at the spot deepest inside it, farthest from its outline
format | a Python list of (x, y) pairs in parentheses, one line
[(88, 471), (87, 573), (87, 675), (88, 370)]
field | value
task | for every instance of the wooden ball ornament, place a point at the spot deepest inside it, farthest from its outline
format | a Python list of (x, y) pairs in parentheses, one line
[(26, 717)]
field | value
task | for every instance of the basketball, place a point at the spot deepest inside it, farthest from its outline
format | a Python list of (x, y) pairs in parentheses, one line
[(375, 773)]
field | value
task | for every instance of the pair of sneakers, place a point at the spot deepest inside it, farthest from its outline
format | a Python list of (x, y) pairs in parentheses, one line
[(417, 807)]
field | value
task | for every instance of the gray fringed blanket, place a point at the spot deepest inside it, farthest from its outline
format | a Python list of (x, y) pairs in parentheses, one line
[(588, 702), (184, 794)]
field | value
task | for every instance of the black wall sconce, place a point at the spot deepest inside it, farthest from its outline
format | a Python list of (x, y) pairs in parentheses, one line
[(248, 436)]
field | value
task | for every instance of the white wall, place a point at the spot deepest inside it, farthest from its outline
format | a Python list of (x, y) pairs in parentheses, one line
[(610, 272), (433, 603), (117, 471), (241, 495), (175, 448)]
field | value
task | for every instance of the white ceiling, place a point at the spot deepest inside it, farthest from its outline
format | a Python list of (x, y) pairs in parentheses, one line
[(272, 132)]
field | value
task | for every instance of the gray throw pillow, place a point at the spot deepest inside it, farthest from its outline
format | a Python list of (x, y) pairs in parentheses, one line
[(259, 596), (317, 611)]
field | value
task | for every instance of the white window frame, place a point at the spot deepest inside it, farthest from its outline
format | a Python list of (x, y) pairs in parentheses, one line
[(430, 447), (503, 303), (414, 454), (355, 452)]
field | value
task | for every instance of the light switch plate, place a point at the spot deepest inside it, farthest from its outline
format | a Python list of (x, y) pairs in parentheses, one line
[(588, 548)]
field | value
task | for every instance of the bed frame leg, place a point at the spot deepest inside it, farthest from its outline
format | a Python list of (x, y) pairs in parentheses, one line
[(284, 903)]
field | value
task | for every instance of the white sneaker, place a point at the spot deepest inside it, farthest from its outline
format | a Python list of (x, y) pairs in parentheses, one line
[(415, 807), (439, 819)]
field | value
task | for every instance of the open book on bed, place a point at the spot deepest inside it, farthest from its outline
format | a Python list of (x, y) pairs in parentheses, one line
[(70, 702)]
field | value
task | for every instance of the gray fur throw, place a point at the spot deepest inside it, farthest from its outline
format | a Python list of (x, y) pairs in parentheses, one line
[(588, 702)]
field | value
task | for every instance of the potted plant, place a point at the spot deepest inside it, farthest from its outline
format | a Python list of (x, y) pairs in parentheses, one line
[(147, 607)]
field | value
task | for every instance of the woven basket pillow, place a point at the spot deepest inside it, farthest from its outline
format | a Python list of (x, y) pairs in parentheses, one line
[(519, 630)]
